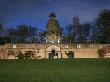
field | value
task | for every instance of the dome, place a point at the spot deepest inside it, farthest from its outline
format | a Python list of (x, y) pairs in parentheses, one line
[(52, 30), (52, 26)]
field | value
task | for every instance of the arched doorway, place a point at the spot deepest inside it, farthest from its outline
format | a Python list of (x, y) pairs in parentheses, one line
[(53, 52), (11, 54)]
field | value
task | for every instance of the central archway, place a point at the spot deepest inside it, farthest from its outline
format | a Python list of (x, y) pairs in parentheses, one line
[(53, 51), (52, 54)]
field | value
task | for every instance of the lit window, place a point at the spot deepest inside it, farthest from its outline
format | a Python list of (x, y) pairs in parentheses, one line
[(52, 41), (91, 45), (66, 46), (14, 46), (78, 46)]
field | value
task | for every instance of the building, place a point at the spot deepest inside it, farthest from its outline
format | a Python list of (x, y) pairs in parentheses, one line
[(53, 48)]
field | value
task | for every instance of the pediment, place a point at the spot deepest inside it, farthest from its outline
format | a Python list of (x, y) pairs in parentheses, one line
[(50, 48)]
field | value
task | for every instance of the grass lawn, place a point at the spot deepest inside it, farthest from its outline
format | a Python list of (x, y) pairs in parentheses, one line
[(57, 70)]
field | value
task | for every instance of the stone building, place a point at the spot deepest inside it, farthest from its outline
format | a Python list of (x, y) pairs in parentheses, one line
[(53, 48)]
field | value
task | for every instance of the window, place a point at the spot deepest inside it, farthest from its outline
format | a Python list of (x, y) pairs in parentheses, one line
[(14, 46), (66, 47), (52, 41), (91, 46), (78, 46), (29, 45)]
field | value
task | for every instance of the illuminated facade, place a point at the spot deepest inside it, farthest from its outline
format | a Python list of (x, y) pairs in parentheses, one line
[(53, 48)]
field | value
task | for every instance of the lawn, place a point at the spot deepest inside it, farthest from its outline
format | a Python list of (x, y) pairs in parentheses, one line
[(57, 70)]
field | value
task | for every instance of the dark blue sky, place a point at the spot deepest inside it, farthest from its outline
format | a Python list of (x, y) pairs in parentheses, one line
[(35, 12)]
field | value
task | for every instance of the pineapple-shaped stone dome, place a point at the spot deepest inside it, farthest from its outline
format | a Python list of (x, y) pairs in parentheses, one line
[(52, 30)]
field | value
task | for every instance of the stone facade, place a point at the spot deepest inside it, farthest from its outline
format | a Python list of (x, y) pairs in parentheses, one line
[(52, 30), (2, 52), (53, 48), (43, 51)]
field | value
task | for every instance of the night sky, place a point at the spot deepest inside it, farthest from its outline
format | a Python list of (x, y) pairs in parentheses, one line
[(35, 12)]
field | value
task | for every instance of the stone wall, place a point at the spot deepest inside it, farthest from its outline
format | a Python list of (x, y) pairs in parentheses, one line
[(2, 52), (43, 50)]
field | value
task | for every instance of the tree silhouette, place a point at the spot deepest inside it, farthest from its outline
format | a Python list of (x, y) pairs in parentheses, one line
[(1, 29), (103, 21)]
